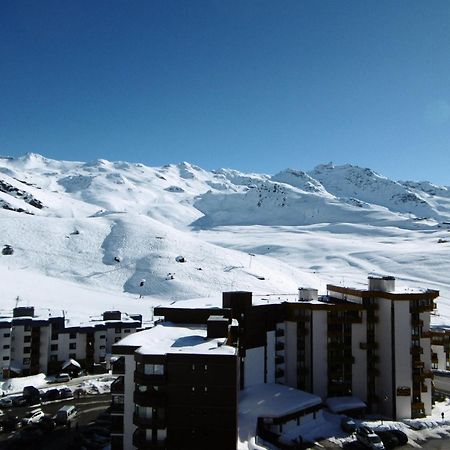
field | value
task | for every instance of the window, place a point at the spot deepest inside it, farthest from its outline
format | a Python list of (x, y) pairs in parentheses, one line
[(6, 346), (118, 330), (27, 339), (5, 358), (102, 347), (6, 335), (53, 347), (117, 339), (26, 361), (72, 335), (153, 369), (72, 355), (53, 358), (102, 336), (27, 328), (27, 349), (126, 331), (54, 337), (73, 346)]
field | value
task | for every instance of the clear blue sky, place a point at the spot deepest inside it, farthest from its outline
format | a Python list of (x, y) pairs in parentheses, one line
[(254, 85)]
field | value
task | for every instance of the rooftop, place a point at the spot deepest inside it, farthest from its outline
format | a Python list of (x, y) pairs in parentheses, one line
[(167, 338)]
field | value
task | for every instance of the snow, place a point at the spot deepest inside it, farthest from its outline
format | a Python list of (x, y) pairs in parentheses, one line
[(171, 338), (341, 404), (105, 226), (70, 362), (15, 385)]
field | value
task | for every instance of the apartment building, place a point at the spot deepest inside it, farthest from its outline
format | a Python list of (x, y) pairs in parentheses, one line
[(440, 348), (177, 388), (31, 343), (371, 343)]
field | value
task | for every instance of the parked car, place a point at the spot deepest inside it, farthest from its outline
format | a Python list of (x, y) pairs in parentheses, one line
[(66, 414), (9, 423), (29, 438), (34, 416), (7, 250), (6, 402), (65, 393), (47, 424), (402, 437), (51, 395), (62, 378), (348, 424), (389, 439), (367, 437), (19, 401)]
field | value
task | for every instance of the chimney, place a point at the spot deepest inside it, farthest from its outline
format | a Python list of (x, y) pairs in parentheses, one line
[(307, 294), (379, 283), (217, 327)]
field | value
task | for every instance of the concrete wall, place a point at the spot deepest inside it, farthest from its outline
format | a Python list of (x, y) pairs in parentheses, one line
[(319, 364), (403, 371), (271, 357), (254, 366), (128, 426), (359, 368), (291, 354)]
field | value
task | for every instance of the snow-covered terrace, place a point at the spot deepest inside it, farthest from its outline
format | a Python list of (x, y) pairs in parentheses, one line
[(168, 338)]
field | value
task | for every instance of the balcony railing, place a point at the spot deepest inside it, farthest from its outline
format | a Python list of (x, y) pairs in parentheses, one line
[(149, 422), (416, 350), (150, 398), (279, 332), (418, 364), (148, 379), (140, 441), (117, 408), (279, 373)]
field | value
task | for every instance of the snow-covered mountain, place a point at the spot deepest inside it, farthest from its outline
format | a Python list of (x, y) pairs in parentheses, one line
[(97, 229)]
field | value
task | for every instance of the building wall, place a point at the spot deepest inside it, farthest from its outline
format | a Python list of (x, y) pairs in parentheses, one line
[(319, 366), (254, 366), (403, 373), (291, 354), (359, 369), (384, 337), (128, 426), (270, 357)]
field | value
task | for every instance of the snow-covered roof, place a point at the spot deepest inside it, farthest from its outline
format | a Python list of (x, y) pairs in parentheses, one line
[(71, 362), (174, 338), (341, 404), (274, 400)]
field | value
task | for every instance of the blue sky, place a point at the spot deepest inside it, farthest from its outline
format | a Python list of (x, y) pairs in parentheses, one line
[(254, 85)]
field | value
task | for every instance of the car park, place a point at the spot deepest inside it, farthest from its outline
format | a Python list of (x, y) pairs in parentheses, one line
[(367, 437), (34, 416)]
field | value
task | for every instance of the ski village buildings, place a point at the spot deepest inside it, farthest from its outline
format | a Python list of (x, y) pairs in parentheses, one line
[(31, 343), (204, 376)]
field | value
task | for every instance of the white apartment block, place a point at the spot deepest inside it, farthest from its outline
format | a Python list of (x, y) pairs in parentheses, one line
[(31, 343)]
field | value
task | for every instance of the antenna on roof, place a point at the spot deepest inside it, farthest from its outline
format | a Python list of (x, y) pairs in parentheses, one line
[(18, 299)]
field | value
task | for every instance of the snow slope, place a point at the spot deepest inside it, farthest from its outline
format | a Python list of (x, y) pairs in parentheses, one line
[(86, 234)]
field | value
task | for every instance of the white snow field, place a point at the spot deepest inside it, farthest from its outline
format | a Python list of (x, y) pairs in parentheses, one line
[(86, 234)]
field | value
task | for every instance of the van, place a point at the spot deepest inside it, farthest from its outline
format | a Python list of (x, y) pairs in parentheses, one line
[(66, 414)]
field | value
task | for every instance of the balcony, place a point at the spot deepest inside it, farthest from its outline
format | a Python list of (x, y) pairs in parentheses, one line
[(279, 332), (149, 422), (417, 407), (149, 398), (428, 374), (140, 442), (279, 373), (302, 330), (426, 335), (148, 379), (416, 350), (279, 359), (368, 345), (118, 366), (117, 386), (416, 323), (418, 364), (403, 391), (116, 408), (279, 346)]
